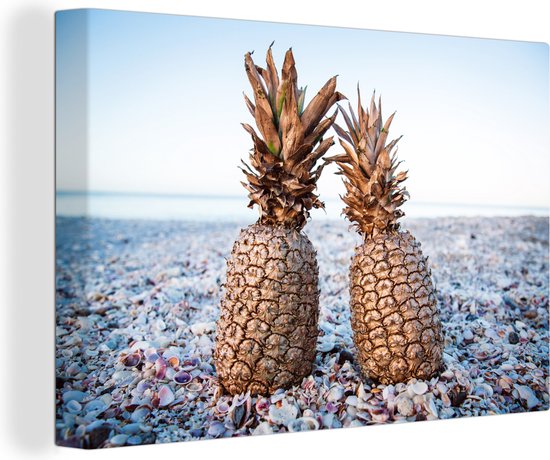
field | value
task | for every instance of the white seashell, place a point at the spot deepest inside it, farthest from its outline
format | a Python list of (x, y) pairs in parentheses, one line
[(387, 391), (432, 408), (405, 406), (468, 334), (328, 419), (284, 414), (325, 346), (263, 428), (203, 328), (352, 400), (361, 393), (303, 424), (142, 345), (419, 388), (166, 396), (336, 393), (216, 429)]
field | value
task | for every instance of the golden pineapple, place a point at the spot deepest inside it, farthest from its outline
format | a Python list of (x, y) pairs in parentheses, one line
[(394, 317), (267, 330)]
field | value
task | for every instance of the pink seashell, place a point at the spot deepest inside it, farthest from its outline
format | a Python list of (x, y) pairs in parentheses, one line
[(160, 368), (166, 396)]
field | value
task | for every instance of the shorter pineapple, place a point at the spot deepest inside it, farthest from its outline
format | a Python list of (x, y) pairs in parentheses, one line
[(394, 317)]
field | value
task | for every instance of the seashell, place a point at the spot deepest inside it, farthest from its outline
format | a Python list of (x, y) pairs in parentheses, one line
[(160, 368), (431, 407), (387, 391), (96, 405), (216, 429), (141, 345), (91, 352), (222, 408), (400, 387), (73, 369), (92, 426), (331, 407), (325, 346), (282, 414), (174, 361), (140, 414), (239, 414), (118, 440), (189, 364), (379, 416), (405, 406), (194, 387), (361, 393), (170, 373), (468, 335), (182, 377), (327, 420), (352, 400), (335, 393), (131, 428), (419, 388), (527, 395), (263, 428), (131, 360), (151, 355), (446, 400), (262, 406), (74, 407), (134, 440), (303, 424), (73, 395), (203, 328), (448, 374), (166, 396)]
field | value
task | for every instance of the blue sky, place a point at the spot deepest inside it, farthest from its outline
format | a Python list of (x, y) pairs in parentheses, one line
[(158, 103)]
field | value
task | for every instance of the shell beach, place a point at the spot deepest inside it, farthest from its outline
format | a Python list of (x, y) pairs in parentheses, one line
[(137, 302)]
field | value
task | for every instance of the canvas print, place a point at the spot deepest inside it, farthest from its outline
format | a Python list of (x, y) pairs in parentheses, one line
[(266, 228)]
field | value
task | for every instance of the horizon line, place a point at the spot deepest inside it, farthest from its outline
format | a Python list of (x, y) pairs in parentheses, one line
[(216, 196)]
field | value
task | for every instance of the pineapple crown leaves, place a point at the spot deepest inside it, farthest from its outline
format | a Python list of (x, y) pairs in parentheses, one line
[(283, 172), (373, 185)]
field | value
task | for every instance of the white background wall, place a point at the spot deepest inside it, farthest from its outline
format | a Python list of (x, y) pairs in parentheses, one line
[(26, 210)]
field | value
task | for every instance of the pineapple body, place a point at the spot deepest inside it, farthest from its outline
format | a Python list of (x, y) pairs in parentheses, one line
[(267, 330), (395, 322)]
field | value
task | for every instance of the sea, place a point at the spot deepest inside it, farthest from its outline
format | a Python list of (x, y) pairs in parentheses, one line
[(234, 208)]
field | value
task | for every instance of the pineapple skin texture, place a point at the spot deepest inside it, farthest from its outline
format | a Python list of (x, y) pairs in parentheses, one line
[(394, 317), (267, 331)]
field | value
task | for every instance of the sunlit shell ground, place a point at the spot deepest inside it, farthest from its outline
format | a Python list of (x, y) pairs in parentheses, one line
[(137, 302)]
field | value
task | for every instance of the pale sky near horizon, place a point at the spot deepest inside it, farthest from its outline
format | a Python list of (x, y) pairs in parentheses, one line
[(157, 104)]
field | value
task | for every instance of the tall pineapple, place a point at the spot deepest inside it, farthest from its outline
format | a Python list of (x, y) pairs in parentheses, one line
[(394, 317), (267, 330)]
